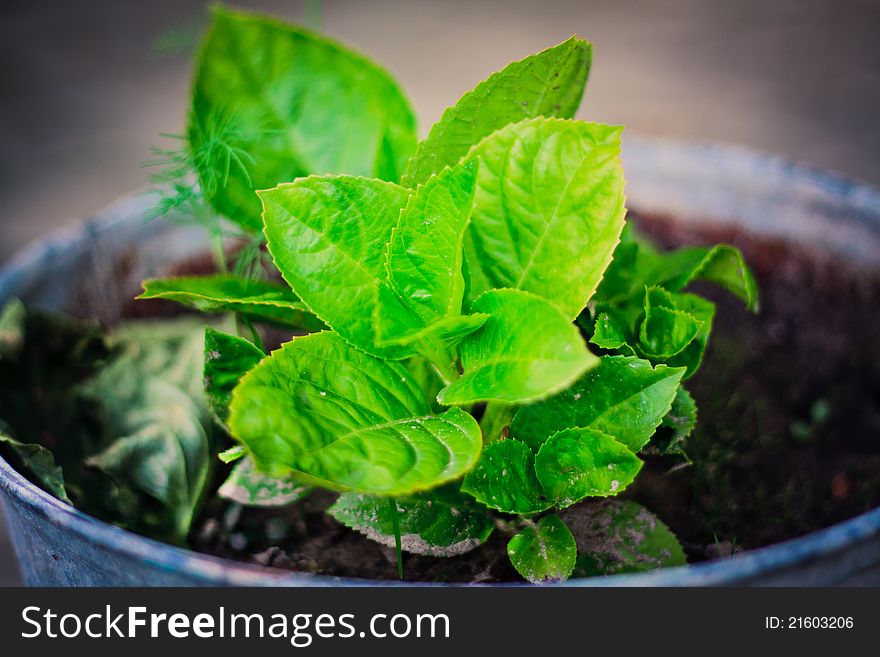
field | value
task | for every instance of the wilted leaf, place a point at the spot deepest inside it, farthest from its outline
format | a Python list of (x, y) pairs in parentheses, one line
[(442, 522), (36, 462), (48, 428), (155, 419), (248, 486), (620, 536)]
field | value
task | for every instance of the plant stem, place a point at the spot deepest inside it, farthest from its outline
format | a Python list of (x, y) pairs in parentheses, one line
[(395, 523), (219, 251), (255, 337), (496, 416), (442, 362), (447, 374)]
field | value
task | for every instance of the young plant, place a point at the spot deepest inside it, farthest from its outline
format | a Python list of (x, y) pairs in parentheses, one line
[(449, 290), (113, 423)]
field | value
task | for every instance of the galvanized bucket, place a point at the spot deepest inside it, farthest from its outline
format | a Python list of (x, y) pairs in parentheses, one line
[(58, 545)]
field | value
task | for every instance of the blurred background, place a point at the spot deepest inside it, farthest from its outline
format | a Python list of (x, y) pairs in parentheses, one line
[(87, 86)]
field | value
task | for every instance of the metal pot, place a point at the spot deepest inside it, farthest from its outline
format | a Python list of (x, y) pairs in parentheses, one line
[(59, 545)]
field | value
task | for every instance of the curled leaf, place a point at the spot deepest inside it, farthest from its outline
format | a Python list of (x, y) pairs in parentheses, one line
[(667, 329), (424, 253), (35, 461), (258, 300), (637, 265)]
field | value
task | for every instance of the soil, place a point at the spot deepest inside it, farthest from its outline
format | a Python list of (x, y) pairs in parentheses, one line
[(788, 439)]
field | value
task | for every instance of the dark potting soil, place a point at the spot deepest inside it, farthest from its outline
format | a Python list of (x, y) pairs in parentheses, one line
[(788, 437), (788, 432)]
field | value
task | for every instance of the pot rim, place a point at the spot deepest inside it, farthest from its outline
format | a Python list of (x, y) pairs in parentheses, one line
[(209, 569), (221, 570)]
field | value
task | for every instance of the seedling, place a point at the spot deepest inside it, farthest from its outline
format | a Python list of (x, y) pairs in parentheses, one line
[(483, 342)]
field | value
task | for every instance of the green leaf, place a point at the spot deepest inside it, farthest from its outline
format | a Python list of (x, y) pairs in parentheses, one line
[(526, 350), (548, 210), (679, 422), (571, 464), (620, 536), (682, 417), (426, 379), (161, 448), (227, 359), (703, 312), (504, 479), (36, 462), (724, 265), (424, 254), (272, 102), (43, 359), (259, 300), (667, 329), (626, 275), (670, 328), (623, 397), (137, 409), (155, 416), (232, 454), (12, 327), (346, 420), (609, 333), (440, 523), (171, 350), (436, 342), (248, 486), (577, 463), (327, 237), (637, 265), (543, 552), (549, 83)]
